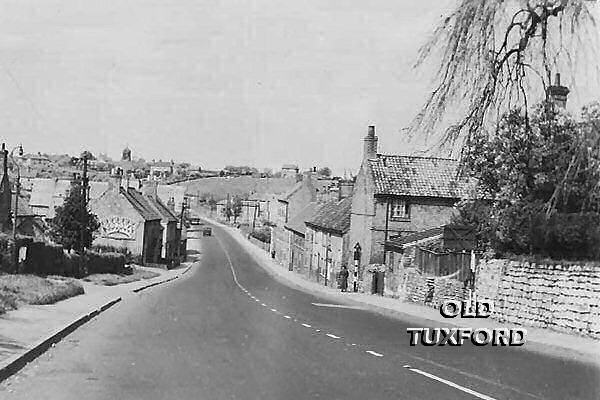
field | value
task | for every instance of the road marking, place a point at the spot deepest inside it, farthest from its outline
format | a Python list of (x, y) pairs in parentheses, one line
[(263, 304), (287, 316), (333, 336), (337, 306), (274, 310), (306, 326), (317, 330), (452, 384), (374, 353)]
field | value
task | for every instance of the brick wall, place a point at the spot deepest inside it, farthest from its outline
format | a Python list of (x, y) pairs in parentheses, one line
[(560, 297)]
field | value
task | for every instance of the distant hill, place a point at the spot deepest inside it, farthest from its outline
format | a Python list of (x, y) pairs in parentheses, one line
[(219, 187)]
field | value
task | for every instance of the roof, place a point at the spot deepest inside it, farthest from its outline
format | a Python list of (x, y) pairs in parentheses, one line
[(161, 208), (449, 232), (141, 205), (333, 216), (297, 224), (161, 164), (287, 195), (51, 192), (417, 177)]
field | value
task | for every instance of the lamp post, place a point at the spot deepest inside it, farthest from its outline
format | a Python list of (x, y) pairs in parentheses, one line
[(16, 212)]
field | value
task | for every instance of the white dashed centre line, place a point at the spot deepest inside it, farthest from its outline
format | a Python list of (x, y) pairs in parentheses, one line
[(287, 317), (451, 384), (371, 352)]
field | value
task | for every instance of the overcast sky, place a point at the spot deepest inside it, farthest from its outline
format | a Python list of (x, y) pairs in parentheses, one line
[(214, 82)]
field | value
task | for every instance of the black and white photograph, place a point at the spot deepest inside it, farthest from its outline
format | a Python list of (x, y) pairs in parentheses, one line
[(289, 200)]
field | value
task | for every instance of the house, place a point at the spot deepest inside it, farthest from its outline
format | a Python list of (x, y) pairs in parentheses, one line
[(396, 195), (172, 195), (49, 193), (161, 169), (288, 206), (289, 171), (296, 230), (27, 223), (128, 220), (170, 233), (327, 241)]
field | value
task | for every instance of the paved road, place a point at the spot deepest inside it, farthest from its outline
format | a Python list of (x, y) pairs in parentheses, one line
[(208, 337)]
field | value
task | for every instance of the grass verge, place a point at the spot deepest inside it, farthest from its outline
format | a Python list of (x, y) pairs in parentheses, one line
[(118, 279), (31, 289)]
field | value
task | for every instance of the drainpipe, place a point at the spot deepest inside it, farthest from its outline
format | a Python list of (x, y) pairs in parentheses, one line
[(387, 220)]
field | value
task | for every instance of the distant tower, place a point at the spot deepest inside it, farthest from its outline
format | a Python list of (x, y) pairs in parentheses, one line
[(370, 144), (126, 154)]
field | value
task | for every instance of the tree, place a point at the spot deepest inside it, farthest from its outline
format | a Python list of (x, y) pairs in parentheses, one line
[(540, 178), (499, 53), (74, 225), (325, 171), (236, 208), (212, 204)]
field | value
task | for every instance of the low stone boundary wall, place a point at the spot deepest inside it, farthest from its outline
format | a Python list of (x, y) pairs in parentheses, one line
[(560, 297)]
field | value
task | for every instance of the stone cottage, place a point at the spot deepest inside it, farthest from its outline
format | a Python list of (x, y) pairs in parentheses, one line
[(327, 241), (288, 206), (395, 195), (296, 230), (128, 221), (170, 234)]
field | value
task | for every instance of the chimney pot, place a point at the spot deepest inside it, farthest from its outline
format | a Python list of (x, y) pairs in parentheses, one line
[(557, 79)]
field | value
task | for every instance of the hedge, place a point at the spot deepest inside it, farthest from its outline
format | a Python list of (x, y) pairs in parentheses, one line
[(48, 259)]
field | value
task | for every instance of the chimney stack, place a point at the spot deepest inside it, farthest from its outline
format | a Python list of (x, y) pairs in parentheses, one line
[(557, 94), (345, 189), (150, 189), (370, 144), (114, 182)]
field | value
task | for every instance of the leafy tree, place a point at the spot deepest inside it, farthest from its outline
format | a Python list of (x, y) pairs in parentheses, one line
[(539, 178), (212, 204), (492, 56), (325, 171), (74, 225), (236, 207)]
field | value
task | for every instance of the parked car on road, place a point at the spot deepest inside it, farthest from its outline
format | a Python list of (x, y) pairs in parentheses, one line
[(207, 231)]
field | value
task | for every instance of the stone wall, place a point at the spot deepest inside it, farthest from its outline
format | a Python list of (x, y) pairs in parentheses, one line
[(560, 297), (409, 284)]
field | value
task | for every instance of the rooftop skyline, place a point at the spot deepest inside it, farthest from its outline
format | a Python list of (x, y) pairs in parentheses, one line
[(264, 83)]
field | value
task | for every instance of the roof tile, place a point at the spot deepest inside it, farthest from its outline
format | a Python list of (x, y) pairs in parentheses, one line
[(418, 177)]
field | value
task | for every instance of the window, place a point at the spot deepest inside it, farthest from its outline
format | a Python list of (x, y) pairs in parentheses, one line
[(400, 209)]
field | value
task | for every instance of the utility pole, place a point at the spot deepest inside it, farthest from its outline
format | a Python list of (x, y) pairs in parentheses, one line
[(84, 200)]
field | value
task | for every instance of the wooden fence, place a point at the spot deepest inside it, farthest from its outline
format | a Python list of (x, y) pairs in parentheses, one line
[(455, 263)]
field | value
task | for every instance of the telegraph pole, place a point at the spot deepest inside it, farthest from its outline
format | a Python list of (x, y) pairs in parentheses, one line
[(84, 200)]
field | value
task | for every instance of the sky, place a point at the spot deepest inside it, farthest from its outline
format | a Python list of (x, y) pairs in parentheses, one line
[(213, 82)]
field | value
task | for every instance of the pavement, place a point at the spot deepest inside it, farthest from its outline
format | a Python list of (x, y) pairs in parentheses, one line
[(229, 330), (27, 332), (545, 341)]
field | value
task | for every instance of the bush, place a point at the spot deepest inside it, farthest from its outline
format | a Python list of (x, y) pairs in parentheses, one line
[(264, 235), (104, 263)]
